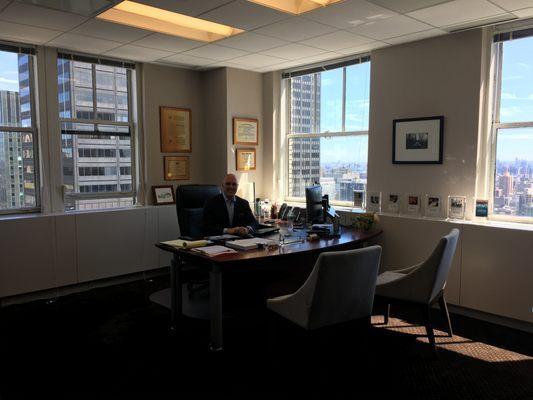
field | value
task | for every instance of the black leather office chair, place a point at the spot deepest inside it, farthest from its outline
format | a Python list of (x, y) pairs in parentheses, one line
[(190, 200)]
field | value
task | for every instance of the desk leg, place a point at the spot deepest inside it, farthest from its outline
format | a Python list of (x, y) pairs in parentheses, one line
[(175, 291), (215, 295)]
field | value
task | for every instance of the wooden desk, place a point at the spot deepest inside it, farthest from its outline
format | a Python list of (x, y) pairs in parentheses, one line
[(216, 266)]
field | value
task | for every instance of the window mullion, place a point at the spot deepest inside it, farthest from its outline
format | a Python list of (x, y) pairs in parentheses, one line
[(344, 99)]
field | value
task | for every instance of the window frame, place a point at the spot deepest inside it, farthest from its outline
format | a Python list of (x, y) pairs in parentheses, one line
[(35, 134), (94, 121), (326, 135), (495, 126)]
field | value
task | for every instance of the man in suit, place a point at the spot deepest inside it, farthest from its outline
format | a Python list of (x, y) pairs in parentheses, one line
[(228, 213)]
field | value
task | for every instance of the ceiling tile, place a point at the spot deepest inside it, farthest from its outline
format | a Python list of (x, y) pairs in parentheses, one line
[(416, 36), (321, 57), (230, 64), (390, 27), (256, 60), (363, 48), (349, 13), (184, 59), (512, 5), (40, 17), (293, 51), (244, 15), (166, 42), (138, 53), (84, 44), (295, 29), (215, 52), (108, 30), (524, 13), (336, 41), (456, 12), (405, 6), (187, 7), (252, 42), (25, 33)]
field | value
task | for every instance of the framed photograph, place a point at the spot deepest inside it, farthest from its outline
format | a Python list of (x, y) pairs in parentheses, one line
[(413, 204), (394, 203), (245, 159), (245, 131), (373, 203), (176, 168), (163, 195), (358, 198), (482, 208), (417, 140), (456, 207), (433, 206), (175, 129)]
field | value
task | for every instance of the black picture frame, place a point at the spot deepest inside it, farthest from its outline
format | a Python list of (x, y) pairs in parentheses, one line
[(418, 140)]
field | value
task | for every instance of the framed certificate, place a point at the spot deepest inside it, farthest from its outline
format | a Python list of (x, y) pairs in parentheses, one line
[(175, 130), (245, 131), (176, 168), (245, 159)]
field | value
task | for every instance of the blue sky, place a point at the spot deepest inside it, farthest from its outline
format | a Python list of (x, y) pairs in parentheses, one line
[(516, 100), (9, 75)]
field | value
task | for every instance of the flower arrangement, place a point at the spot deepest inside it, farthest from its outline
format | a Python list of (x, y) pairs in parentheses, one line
[(366, 221)]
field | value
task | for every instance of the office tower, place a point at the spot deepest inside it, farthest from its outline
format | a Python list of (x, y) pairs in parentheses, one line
[(304, 153), (94, 163), (506, 183)]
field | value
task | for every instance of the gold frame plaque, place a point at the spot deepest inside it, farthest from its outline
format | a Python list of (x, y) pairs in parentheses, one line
[(245, 131), (176, 129), (245, 159), (176, 168)]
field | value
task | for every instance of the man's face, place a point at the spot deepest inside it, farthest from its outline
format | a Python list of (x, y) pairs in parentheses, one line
[(229, 186)]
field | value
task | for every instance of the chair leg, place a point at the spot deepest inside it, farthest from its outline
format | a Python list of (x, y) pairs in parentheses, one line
[(444, 309), (429, 327), (387, 314)]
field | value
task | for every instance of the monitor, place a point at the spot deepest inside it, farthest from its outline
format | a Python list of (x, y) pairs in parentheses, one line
[(313, 202)]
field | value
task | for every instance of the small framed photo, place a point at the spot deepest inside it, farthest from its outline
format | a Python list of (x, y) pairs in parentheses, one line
[(417, 140), (176, 168), (373, 203), (482, 208), (413, 204), (433, 206), (245, 159), (163, 195), (394, 203), (176, 130), (358, 198), (456, 207), (245, 131)]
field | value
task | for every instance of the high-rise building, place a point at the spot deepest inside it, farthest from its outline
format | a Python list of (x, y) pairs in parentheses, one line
[(304, 153), (506, 183)]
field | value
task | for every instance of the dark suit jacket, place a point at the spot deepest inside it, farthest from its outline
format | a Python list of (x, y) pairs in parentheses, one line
[(216, 217)]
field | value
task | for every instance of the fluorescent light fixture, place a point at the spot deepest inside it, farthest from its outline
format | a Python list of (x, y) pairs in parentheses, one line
[(168, 22), (295, 6)]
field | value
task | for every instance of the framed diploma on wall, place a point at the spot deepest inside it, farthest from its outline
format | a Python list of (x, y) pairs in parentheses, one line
[(245, 131), (175, 130), (176, 168), (245, 159)]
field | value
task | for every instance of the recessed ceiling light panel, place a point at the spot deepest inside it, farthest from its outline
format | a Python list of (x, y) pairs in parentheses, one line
[(295, 6), (167, 22)]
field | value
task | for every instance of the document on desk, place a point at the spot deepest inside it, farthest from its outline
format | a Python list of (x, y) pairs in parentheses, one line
[(249, 244), (213, 251), (186, 244)]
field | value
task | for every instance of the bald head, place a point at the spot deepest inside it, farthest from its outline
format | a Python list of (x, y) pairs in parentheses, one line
[(230, 185)]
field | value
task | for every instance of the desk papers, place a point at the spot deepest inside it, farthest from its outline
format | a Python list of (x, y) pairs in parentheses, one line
[(187, 244), (248, 244), (213, 251)]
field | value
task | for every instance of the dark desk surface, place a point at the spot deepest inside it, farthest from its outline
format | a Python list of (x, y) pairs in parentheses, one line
[(348, 238)]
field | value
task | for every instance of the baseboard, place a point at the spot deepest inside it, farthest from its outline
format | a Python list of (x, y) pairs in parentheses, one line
[(51, 294), (492, 318)]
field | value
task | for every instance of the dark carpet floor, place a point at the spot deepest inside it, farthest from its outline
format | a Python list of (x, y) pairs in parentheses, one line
[(114, 343)]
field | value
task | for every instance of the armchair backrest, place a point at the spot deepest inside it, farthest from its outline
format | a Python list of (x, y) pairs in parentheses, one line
[(448, 244), (190, 200), (341, 286)]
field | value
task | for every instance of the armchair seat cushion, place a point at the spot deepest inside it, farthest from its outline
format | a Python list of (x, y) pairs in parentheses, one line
[(388, 276)]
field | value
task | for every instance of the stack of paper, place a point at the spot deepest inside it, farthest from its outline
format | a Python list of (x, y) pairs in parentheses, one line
[(248, 244), (187, 244), (213, 251)]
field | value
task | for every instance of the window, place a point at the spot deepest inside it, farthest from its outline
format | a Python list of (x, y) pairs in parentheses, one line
[(96, 126), (512, 127), (18, 173), (327, 138)]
